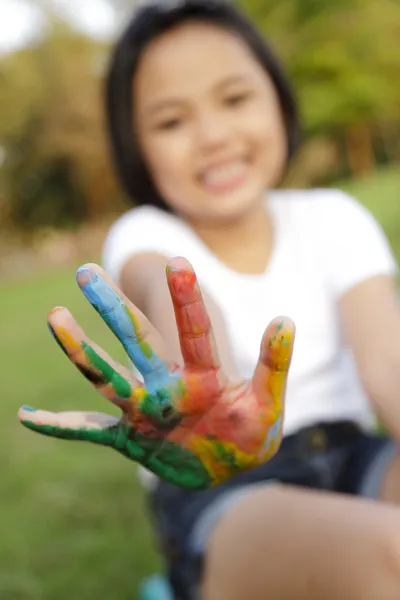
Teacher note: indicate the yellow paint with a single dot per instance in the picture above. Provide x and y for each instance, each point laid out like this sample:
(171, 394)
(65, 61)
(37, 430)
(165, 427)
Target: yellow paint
(135, 321)
(139, 393)
(277, 379)
(208, 452)
(146, 349)
(68, 341)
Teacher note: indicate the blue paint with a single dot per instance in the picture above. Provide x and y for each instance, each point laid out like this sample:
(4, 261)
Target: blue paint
(113, 311)
(273, 434)
(29, 409)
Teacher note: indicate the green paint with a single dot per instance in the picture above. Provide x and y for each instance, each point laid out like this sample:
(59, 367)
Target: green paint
(226, 456)
(176, 464)
(105, 437)
(280, 325)
(182, 389)
(164, 396)
(55, 336)
(121, 385)
(160, 407)
(169, 461)
(146, 349)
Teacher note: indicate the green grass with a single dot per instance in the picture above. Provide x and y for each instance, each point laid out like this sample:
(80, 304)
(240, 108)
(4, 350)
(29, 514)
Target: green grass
(73, 521)
(380, 193)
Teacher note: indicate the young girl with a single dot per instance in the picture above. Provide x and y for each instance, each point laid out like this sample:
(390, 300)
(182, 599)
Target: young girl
(203, 125)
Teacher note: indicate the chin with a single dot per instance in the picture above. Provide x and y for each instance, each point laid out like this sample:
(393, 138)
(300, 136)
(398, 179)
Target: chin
(222, 207)
(233, 208)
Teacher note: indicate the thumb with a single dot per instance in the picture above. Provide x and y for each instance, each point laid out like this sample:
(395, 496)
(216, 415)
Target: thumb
(271, 374)
(70, 425)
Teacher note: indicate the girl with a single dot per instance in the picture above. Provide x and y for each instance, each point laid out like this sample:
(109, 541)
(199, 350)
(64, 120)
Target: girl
(203, 125)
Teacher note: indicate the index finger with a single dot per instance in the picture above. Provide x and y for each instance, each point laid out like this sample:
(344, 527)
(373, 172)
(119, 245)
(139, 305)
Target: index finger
(140, 339)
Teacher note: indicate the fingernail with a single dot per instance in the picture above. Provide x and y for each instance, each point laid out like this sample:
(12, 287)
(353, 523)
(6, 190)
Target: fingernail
(171, 269)
(178, 263)
(84, 276)
(29, 409)
(55, 310)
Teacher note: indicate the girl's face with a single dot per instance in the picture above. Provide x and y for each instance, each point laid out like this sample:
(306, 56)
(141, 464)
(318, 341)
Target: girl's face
(209, 122)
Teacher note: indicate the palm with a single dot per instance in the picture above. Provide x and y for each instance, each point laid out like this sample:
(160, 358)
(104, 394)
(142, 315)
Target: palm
(191, 426)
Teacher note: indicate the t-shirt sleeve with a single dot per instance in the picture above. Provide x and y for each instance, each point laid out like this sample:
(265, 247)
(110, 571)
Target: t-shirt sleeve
(356, 247)
(138, 231)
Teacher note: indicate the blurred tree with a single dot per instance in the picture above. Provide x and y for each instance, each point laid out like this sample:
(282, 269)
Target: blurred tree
(54, 166)
(343, 60)
(56, 161)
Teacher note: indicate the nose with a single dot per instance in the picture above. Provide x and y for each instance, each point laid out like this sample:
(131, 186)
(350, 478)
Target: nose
(212, 130)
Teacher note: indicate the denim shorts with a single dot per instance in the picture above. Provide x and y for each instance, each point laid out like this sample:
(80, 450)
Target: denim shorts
(335, 457)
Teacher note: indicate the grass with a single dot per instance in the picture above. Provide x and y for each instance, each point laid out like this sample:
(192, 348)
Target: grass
(380, 193)
(73, 521)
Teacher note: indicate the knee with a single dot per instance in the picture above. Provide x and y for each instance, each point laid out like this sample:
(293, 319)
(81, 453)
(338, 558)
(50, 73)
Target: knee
(388, 549)
(372, 573)
(379, 576)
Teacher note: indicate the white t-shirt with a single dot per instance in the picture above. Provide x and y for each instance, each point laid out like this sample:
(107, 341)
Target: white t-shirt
(325, 242)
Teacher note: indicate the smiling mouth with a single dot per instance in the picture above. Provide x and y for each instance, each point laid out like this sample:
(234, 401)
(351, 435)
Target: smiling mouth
(226, 177)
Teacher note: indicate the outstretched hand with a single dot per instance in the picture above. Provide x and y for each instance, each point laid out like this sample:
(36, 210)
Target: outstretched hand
(188, 424)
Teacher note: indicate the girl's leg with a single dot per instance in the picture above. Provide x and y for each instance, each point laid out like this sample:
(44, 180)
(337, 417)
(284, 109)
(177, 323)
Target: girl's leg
(282, 542)
(390, 489)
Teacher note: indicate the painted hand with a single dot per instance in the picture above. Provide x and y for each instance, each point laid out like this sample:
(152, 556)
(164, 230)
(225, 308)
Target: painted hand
(190, 425)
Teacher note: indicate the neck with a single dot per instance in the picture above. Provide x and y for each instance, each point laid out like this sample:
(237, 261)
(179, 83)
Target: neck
(243, 243)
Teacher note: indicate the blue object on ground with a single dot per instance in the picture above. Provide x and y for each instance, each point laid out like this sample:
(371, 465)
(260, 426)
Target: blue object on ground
(155, 587)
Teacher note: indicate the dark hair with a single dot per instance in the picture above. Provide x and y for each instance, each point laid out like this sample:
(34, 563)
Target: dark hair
(148, 23)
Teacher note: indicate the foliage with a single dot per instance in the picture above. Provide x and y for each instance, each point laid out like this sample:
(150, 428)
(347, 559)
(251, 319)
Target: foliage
(343, 62)
(341, 56)
(55, 167)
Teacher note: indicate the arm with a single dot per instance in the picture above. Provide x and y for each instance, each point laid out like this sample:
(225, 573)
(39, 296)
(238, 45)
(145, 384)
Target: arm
(361, 272)
(370, 315)
(144, 283)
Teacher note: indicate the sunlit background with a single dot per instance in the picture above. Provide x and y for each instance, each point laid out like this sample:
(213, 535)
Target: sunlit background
(72, 519)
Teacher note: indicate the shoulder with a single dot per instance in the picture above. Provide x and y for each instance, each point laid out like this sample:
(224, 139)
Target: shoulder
(340, 231)
(323, 213)
(140, 219)
(317, 203)
(139, 231)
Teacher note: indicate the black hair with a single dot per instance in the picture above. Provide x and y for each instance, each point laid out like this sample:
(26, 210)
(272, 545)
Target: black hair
(148, 23)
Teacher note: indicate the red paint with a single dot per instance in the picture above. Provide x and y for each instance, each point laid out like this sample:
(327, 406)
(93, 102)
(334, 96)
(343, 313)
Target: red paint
(183, 283)
(217, 423)
(192, 319)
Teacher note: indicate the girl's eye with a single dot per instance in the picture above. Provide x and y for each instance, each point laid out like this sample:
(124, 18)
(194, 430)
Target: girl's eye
(237, 99)
(169, 124)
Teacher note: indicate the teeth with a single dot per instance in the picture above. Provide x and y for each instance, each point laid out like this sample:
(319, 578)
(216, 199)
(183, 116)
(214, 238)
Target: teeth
(224, 174)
